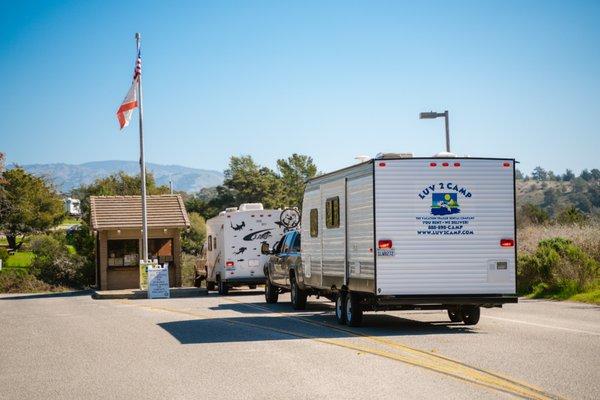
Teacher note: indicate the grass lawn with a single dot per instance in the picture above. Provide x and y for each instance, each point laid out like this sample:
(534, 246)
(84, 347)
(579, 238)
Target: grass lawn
(22, 259)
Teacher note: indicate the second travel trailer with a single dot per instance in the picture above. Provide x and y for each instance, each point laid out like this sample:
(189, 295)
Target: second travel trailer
(233, 243)
(398, 232)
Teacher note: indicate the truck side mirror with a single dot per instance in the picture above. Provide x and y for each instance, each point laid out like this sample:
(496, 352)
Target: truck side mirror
(264, 248)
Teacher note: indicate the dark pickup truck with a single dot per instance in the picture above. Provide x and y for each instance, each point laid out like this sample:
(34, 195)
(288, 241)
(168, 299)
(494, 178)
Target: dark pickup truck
(283, 271)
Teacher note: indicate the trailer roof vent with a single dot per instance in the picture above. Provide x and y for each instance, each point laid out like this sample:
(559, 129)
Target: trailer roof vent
(222, 213)
(362, 159)
(383, 156)
(251, 206)
(231, 209)
(445, 154)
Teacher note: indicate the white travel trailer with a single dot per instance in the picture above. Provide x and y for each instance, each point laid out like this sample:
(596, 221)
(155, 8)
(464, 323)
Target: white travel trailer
(233, 244)
(398, 232)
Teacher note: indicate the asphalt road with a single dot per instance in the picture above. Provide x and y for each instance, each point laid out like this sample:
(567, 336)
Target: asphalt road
(73, 347)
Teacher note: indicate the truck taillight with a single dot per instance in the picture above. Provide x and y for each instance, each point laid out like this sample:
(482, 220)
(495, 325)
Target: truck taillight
(229, 263)
(507, 242)
(385, 244)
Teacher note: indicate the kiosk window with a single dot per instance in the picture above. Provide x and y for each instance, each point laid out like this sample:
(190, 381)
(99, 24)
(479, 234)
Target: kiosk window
(332, 212)
(123, 253)
(314, 222)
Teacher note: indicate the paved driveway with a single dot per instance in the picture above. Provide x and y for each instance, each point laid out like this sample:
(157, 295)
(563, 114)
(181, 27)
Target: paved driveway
(73, 347)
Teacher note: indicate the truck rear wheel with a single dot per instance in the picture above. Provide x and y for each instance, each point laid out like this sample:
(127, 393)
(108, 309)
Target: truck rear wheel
(340, 308)
(298, 295)
(470, 314)
(354, 312)
(454, 315)
(223, 287)
(271, 292)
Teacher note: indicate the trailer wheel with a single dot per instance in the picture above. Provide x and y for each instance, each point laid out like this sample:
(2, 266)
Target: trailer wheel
(251, 286)
(271, 292)
(354, 312)
(298, 295)
(470, 314)
(454, 315)
(340, 308)
(210, 286)
(223, 287)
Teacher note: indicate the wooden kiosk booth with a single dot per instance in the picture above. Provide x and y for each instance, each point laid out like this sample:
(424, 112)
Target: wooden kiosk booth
(117, 224)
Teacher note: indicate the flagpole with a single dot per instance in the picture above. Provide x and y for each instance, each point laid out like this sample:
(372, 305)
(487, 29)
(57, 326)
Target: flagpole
(142, 162)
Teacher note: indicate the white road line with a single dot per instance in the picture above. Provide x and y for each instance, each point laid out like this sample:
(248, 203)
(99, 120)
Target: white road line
(543, 326)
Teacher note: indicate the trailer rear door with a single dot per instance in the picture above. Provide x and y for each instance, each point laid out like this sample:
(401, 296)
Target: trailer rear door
(445, 226)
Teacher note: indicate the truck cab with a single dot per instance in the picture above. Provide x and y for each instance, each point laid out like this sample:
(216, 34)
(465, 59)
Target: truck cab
(282, 270)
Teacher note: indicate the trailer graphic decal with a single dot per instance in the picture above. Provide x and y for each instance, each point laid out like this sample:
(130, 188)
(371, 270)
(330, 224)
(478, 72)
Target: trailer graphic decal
(241, 250)
(262, 234)
(444, 203)
(442, 218)
(238, 227)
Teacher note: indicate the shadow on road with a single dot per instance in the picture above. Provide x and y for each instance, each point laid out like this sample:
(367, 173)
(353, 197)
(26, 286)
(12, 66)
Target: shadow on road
(315, 326)
(46, 295)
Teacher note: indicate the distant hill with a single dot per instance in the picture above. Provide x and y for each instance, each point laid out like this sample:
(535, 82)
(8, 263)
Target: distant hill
(68, 176)
(552, 196)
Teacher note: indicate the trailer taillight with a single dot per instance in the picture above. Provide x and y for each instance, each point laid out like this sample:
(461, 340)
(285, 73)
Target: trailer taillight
(457, 164)
(229, 263)
(507, 242)
(445, 164)
(385, 244)
(382, 164)
(506, 164)
(432, 164)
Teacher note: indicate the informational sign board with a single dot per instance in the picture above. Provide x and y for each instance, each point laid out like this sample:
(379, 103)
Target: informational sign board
(144, 275)
(158, 281)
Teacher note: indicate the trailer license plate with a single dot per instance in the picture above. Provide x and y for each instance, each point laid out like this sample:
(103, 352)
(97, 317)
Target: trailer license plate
(386, 252)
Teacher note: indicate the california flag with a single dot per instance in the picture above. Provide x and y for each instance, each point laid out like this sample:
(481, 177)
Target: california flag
(130, 103)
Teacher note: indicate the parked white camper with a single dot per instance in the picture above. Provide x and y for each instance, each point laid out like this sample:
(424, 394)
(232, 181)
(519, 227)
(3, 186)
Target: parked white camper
(404, 233)
(233, 245)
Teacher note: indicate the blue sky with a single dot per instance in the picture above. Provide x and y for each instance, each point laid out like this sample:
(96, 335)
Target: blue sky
(330, 79)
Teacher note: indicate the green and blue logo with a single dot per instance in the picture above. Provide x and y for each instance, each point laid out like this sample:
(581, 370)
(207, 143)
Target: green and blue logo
(444, 203)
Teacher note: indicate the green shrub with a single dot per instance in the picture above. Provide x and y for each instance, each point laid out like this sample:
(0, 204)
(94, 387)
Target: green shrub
(18, 280)
(571, 215)
(3, 255)
(557, 267)
(55, 265)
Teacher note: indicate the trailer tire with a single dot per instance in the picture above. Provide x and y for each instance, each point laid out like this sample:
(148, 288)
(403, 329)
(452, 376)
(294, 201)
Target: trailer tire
(210, 286)
(271, 292)
(223, 287)
(298, 295)
(454, 315)
(470, 314)
(354, 312)
(340, 308)
(251, 286)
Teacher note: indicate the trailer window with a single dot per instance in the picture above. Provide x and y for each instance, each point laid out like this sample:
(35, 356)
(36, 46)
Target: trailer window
(332, 212)
(209, 242)
(215, 242)
(314, 222)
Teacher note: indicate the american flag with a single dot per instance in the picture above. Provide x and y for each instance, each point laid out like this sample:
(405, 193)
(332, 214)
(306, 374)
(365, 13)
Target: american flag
(130, 102)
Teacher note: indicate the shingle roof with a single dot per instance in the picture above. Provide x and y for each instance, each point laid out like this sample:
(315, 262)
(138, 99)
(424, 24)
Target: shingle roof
(118, 212)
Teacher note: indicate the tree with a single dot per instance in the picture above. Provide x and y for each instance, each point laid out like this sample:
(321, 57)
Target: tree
(586, 175)
(295, 171)
(30, 205)
(568, 175)
(539, 174)
(595, 174)
(533, 214)
(193, 238)
(253, 184)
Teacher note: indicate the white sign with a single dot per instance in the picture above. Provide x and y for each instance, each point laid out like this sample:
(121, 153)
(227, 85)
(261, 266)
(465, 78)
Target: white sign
(158, 282)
